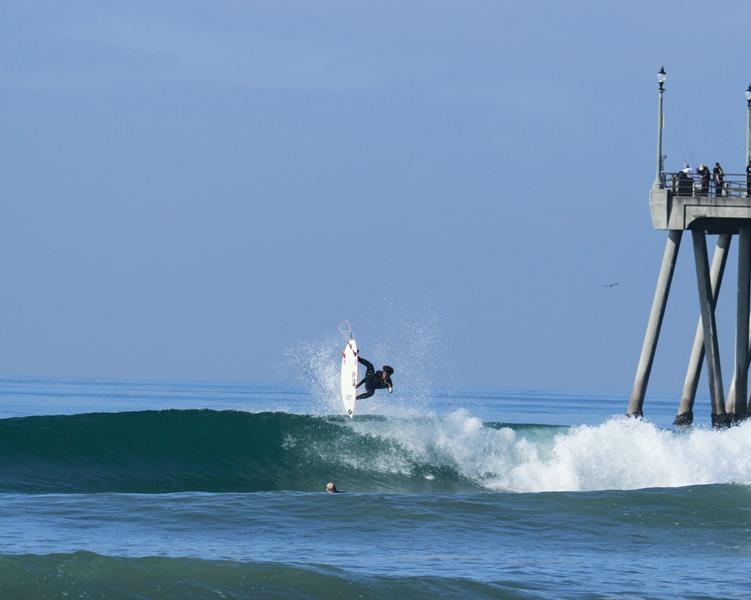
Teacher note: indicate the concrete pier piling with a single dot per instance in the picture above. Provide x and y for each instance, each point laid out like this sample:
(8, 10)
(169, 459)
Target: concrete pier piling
(709, 325)
(677, 204)
(659, 302)
(685, 414)
(737, 407)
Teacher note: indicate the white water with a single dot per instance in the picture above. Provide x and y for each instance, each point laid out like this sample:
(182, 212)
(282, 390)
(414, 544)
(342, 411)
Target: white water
(619, 454)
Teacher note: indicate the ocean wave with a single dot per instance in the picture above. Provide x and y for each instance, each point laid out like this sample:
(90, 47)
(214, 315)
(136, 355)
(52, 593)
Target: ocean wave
(232, 451)
(203, 450)
(89, 575)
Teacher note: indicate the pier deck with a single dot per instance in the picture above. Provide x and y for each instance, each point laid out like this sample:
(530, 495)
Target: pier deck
(714, 214)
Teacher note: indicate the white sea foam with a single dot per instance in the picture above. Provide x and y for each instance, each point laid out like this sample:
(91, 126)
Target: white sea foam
(618, 454)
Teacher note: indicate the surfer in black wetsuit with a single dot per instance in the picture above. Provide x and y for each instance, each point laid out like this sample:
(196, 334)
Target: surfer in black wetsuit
(374, 380)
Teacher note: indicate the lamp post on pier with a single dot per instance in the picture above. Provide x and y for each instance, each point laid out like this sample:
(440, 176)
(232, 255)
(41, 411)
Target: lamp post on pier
(748, 124)
(661, 78)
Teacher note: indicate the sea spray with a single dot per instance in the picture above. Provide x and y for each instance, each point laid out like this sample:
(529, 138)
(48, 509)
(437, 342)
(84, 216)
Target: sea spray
(408, 340)
(316, 366)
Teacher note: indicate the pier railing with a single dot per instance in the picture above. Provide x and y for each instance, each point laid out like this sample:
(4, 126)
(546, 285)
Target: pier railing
(735, 185)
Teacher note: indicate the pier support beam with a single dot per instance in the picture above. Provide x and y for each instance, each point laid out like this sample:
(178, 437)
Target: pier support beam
(652, 335)
(711, 345)
(736, 404)
(685, 414)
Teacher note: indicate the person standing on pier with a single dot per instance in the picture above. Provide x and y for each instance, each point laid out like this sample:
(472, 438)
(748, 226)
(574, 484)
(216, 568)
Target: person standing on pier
(703, 172)
(748, 178)
(685, 182)
(719, 180)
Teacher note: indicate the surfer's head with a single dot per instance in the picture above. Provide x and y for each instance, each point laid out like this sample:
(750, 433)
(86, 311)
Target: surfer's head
(388, 370)
(331, 488)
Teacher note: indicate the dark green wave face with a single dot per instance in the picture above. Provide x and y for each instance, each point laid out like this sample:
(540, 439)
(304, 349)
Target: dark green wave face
(203, 450)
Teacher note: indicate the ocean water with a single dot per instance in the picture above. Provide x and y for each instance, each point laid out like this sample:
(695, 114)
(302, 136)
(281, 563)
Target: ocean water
(193, 490)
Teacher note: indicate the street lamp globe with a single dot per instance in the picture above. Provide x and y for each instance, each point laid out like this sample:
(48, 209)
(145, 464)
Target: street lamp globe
(662, 77)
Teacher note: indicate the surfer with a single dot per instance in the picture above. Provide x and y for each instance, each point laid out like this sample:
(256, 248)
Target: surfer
(374, 380)
(331, 488)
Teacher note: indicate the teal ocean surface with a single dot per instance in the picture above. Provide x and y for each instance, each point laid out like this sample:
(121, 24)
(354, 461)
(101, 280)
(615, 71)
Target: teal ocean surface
(194, 490)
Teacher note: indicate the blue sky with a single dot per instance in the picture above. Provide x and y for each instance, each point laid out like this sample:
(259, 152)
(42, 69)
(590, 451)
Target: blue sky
(192, 189)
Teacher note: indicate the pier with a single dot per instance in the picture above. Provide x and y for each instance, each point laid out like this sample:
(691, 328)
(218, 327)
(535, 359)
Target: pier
(681, 202)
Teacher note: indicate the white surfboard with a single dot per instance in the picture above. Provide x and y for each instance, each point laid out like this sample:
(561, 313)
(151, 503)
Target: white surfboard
(349, 376)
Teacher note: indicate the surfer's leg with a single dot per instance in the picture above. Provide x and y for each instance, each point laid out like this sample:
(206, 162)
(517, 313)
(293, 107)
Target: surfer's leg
(366, 394)
(369, 368)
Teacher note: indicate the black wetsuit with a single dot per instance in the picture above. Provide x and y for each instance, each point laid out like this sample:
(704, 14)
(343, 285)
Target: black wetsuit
(373, 380)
